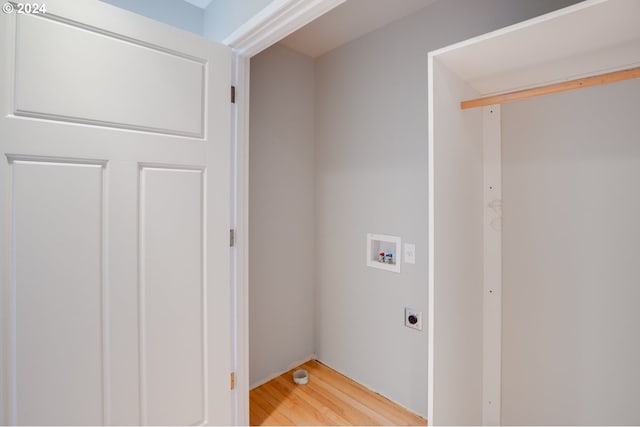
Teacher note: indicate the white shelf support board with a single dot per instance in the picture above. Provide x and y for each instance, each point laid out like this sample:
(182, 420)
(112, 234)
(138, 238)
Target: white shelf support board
(492, 315)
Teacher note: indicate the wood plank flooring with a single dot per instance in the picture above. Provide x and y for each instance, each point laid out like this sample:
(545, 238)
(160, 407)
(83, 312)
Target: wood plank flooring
(328, 399)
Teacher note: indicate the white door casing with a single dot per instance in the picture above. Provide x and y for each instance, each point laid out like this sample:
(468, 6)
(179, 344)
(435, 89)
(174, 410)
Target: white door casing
(274, 22)
(114, 220)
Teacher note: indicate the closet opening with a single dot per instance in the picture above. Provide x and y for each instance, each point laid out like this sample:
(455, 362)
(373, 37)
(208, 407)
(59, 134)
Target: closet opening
(532, 221)
(337, 152)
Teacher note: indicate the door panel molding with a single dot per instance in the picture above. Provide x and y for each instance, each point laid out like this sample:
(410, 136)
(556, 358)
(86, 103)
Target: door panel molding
(85, 73)
(32, 269)
(171, 205)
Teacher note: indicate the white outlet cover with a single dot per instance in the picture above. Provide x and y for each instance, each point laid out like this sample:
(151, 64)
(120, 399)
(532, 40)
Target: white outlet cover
(409, 255)
(410, 311)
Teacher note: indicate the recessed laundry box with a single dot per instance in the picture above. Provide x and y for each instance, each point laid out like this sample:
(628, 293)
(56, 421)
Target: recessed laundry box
(534, 240)
(383, 252)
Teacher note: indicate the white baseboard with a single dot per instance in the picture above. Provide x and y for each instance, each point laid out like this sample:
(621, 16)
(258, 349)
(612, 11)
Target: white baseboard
(277, 374)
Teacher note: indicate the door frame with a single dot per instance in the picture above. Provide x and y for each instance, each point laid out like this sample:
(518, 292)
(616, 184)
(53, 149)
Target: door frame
(276, 21)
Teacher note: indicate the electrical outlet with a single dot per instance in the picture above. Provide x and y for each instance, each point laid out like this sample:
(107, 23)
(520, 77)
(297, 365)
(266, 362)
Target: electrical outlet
(412, 318)
(409, 253)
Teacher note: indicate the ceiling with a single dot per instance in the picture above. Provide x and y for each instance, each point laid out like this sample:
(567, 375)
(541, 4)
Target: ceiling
(200, 3)
(347, 22)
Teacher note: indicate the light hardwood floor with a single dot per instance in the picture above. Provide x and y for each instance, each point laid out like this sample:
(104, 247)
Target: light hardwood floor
(328, 399)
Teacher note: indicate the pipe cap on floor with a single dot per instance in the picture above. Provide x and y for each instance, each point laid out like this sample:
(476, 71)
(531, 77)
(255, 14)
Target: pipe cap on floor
(300, 376)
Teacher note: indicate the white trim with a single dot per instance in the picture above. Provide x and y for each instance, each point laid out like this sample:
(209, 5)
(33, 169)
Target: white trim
(233, 252)
(520, 25)
(240, 222)
(276, 21)
(492, 300)
(430, 242)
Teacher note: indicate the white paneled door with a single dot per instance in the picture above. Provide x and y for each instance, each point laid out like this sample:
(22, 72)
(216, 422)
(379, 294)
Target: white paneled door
(114, 220)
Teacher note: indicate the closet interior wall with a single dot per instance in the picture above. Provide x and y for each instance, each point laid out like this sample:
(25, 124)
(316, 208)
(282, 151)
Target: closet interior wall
(282, 256)
(571, 257)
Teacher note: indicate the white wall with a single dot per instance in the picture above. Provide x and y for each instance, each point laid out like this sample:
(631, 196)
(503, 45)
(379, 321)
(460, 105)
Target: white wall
(371, 163)
(177, 13)
(571, 206)
(459, 246)
(223, 17)
(282, 213)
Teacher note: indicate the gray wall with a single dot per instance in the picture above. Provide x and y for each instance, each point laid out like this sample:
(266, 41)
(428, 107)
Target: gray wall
(371, 159)
(177, 13)
(282, 214)
(571, 236)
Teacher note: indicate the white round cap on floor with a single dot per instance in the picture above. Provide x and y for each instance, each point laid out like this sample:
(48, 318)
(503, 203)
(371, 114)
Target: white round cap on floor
(300, 376)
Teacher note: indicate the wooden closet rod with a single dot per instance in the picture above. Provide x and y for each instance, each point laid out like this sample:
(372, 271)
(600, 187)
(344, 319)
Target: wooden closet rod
(600, 79)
